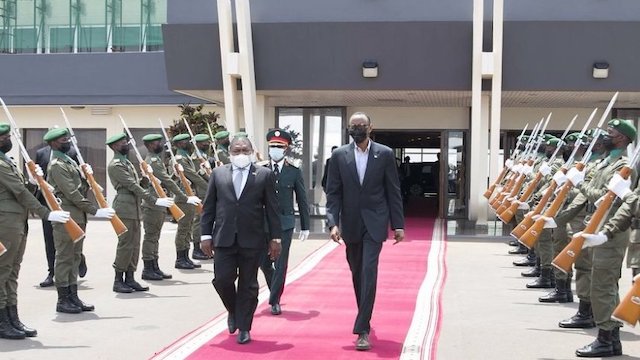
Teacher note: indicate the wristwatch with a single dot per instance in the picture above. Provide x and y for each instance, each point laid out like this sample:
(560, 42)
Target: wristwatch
(277, 241)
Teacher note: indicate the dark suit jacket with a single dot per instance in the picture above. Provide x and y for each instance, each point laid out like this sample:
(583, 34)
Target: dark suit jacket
(374, 204)
(224, 216)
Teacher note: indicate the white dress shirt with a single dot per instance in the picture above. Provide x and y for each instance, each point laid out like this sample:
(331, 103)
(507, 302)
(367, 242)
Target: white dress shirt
(361, 160)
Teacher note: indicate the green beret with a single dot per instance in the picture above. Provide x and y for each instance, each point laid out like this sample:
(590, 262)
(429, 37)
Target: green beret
(279, 136)
(4, 128)
(241, 134)
(524, 138)
(548, 137)
(221, 134)
(201, 137)
(115, 138)
(54, 134)
(553, 142)
(571, 137)
(625, 127)
(152, 137)
(180, 137)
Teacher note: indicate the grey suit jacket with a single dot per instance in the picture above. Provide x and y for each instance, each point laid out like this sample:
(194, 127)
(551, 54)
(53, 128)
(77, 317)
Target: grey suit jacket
(375, 204)
(224, 215)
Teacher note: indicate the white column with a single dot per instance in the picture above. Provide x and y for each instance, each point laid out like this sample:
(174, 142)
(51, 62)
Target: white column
(483, 172)
(496, 88)
(230, 67)
(245, 48)
(478, 155)
(259, 140)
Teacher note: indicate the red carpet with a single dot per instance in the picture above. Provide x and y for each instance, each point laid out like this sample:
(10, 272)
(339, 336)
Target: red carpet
(319, 309)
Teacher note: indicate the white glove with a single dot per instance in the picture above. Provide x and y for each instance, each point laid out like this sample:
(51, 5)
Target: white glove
(149, 169)
(549, 223)
(575, 176)
(88, 169)
(59, 216)
(39, 172)
(517, 168)
(591, 240)
(620, 186)
(304, 235)
(194, 200)
(545, 169)
(559, 177)
(508, 163)
(523, 205)
(165, 202)
(105, 213)
(527, 169)
(179, 167)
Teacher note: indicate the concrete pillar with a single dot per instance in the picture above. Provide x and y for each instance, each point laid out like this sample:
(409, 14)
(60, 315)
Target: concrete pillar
(478, 155)
(230, 66)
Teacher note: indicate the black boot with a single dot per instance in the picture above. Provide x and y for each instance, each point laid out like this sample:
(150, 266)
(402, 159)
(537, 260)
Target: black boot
(12, 312)
(198, 254)
(73, 296)
(529, 260)
(82, 268)
(182, 261)
(601, 347)
(119, 286)
(48, 281)
(615, 343)
(186, 257)
(8, 331)
(132, 283)
(545, 281)
(64, 304)
(157, 270)
(514, 243)
(583, 319)
(149, 273)
(534, 271)
(520, 250)
(560, 295)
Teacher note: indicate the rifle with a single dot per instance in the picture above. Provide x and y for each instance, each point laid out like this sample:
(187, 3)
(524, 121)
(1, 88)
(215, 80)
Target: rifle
(3, 249)
(73, 229)
(215, 153)
(530, 237)
(183, 179)
(510, 212)
(174, 209)
(528, 220)
(569, 254)
(207, 166)
(628, 310)
(116, 223)
(492, 187)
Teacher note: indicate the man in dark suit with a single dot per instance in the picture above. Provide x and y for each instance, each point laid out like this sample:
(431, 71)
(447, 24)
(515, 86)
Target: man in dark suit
(43, 155)
(326, 170)
(240, 203)
(363, 197)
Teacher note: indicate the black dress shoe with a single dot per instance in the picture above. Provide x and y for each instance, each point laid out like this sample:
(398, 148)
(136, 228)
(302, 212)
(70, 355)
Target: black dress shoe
(82, 268)
(525, 261)
(363, 344)
(521, 250)
(275, 309)
(243, 337)
(48, 282)
(231, 323)
(514, 243)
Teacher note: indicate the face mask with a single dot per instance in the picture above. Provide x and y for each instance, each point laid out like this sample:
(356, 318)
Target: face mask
(607, 142)
(276, 153)
(6, 146)
(158, 149)
(241, 161)
(124, 150)
(65, 147)
(359, 134)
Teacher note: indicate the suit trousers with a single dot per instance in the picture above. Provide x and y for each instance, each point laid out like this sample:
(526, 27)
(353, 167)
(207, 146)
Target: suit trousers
(275, 272)
(184, 231)
(152, 221)
(68, 256)
(363, 262)
(128, 250)
(49, 246)
(234, 262)
(15, 242)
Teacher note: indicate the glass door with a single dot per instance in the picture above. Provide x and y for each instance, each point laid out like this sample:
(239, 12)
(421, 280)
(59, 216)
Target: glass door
(453, 175)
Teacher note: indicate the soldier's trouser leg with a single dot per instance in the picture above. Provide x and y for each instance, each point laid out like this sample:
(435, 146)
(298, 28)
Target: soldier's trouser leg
(15, 241)
(633, 252)
(183, 233)
(583, 274)
(559, 239)
(68, 256)
(153, 221)
(605, 273)
(128, 250)
(280, 273)
(49, 246)
(195, 230)
(544, 249)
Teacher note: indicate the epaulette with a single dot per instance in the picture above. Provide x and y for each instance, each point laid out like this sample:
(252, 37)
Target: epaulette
(178, 157)
(286, 162)
(154, 159)
(54, 161)
(263, 163)
(116, 160)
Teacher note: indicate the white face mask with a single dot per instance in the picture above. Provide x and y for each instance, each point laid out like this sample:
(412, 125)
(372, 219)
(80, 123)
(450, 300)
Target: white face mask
(276, 154)
(241, 161)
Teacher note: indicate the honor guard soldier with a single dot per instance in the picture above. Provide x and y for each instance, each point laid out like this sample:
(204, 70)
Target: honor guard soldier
(222, 146)
(15, 203)
(203, 144)
(184, 233)
(288, 181)
(129, 195)
(71, 188)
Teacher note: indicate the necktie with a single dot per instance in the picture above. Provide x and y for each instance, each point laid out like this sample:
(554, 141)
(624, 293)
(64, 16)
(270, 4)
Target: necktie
(237, 182)
(276, 169)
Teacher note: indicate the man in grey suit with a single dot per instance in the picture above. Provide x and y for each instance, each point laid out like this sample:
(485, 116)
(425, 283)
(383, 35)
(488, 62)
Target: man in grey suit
(240, 204)
(363, 198)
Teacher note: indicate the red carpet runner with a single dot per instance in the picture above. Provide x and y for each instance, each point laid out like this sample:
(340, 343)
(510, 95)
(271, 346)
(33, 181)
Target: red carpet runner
(319, 309)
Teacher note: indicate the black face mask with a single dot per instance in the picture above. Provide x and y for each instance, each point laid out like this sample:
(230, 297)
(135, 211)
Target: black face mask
(65, 147)
(607, 142)
(566, 152)
(124, 149)
(158, 149)
(359, 134)
(6, 145)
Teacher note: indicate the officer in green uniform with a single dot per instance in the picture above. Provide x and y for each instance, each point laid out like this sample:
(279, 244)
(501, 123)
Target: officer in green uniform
(203, 143)
(153, 215)
(288, 181)
(129, 195)
(15, 203)
(222, 146)
(188, 206)
(71, 188)
(609, 247)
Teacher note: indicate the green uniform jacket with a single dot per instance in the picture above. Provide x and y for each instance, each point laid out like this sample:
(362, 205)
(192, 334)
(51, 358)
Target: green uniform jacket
(287, 183)
(223, 155)
(64, 175)
(15, 199)
(129, 195)
(191, 173)
(160, 172)
(200, 190)
(574, 209)
(621, 220)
